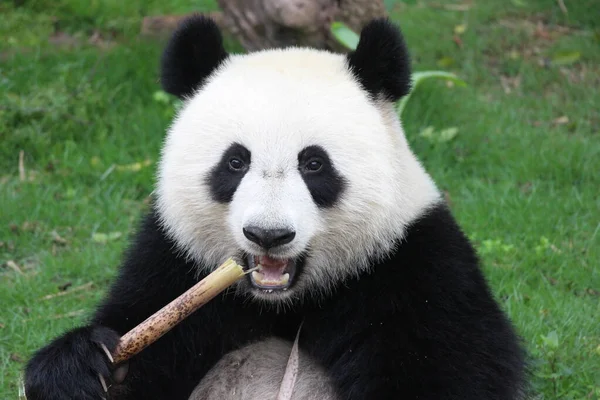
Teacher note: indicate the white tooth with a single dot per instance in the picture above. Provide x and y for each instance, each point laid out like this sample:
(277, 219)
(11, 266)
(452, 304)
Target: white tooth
(259, 266)
(257, 276)
(285, 278)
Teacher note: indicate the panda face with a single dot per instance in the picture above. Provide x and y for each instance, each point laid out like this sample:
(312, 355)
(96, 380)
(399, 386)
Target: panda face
(275, 192)
(284, 160)
(275, 203)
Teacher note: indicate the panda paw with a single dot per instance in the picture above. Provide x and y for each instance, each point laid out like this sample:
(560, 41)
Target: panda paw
(77, 365)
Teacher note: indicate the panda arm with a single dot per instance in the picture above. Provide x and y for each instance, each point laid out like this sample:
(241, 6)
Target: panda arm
(151, 276)
(422, 325)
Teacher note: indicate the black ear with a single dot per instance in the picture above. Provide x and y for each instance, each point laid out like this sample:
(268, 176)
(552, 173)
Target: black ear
(194, 51)
(381, 62)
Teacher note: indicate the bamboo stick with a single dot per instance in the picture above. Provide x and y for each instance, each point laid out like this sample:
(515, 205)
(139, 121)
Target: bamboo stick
(176, 311)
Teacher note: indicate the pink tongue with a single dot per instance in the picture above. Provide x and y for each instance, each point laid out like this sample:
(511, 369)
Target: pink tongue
(272, 268)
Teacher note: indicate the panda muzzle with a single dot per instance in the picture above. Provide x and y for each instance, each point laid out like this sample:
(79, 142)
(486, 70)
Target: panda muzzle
(271, 273)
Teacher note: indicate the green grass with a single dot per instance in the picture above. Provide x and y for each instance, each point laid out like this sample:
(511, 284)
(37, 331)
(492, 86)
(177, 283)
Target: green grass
(522, 180)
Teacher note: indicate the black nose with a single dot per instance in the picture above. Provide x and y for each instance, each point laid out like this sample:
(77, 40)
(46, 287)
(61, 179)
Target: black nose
(269, 238)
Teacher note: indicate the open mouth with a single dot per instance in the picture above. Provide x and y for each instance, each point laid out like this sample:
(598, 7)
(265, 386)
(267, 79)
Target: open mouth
(272, 273)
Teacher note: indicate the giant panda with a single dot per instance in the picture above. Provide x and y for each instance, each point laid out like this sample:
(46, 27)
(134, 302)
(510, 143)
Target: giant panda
(294, 161)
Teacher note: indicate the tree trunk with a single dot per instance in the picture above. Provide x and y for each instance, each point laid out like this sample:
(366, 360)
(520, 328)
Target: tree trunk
(261, 24)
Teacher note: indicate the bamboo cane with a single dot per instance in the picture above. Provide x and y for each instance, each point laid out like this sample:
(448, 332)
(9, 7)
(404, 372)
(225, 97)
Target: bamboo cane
(176, 311)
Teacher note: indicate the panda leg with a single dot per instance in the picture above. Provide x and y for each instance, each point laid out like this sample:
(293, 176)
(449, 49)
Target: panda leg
(255, 372)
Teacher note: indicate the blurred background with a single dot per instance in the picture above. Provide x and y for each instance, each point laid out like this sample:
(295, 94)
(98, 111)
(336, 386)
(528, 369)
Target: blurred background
(516, 148)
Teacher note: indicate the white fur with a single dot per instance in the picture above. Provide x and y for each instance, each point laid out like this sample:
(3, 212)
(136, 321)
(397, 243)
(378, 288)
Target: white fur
(256, 370)
(275, 103)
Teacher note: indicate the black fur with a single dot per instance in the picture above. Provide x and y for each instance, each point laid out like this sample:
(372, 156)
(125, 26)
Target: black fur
(193, 53)
(381, 61)
(325, 185)
(60, 366)
(423, 325)
(222, 179)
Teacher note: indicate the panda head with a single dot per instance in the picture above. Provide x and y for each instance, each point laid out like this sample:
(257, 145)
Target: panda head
(293, 160)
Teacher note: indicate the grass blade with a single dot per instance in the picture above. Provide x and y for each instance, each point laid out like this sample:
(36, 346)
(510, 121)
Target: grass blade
(418, 77)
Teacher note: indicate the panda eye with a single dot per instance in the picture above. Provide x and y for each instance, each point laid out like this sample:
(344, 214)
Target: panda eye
(313, 165)
(236, 164)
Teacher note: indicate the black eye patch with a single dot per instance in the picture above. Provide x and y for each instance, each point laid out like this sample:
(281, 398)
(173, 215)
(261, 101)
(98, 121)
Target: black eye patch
(225, 177)
(324, 182)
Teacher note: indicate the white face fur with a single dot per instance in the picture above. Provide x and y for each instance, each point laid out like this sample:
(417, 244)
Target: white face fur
(276, 103)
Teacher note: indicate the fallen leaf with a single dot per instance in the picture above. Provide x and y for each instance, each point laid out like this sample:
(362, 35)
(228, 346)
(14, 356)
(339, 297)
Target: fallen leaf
(460, 29)
(2, 326)
(445, 135)
(542, 32)
(566, 58)
(95, 161)
(457, 40)
(448, 134)
(100, 237)
(427, 133)
(103, 238)
(114, 235)
(30, 226)
(551, 340)
(592, 292)
(14, 266)
(510, 83)
(161, 97)
(16, 358)
(561, 120)
(57, 239)
(98, 40)
(445, 62)
(135, 167)
(526, 187)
